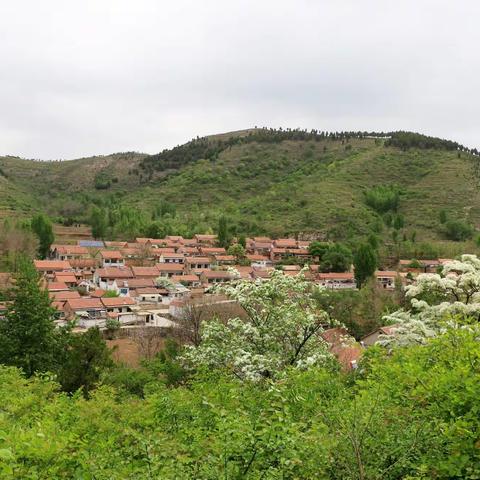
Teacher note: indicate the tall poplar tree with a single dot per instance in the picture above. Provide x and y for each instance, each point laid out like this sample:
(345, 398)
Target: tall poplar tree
(223, 236)
(365, 263)
(42, 227)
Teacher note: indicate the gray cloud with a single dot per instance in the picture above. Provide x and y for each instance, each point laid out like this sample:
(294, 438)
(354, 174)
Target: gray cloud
(100, 76)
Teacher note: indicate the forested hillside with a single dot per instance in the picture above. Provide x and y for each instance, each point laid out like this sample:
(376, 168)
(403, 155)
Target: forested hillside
(265, 181)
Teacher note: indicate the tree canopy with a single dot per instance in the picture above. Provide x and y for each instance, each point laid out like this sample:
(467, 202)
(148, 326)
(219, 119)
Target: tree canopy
(42, 227)
(365, 263)
(282, 330)
(28, 338)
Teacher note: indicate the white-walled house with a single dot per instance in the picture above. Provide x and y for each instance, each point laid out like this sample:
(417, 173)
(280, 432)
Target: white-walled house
(112, 258)
(172, 258)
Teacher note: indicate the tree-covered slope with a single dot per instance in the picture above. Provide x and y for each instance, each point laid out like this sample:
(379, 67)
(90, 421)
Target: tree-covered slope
(319, 186)
(267, 181)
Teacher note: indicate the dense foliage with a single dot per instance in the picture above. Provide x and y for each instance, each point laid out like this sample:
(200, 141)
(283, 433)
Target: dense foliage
(406, 140)
(458, 230)
(413, 415)
(30, 340)
(256, 399)
(360, 311)
(383, 198)
(337, 258)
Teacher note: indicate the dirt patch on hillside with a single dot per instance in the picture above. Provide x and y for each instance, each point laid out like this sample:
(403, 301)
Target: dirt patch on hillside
(127, 351)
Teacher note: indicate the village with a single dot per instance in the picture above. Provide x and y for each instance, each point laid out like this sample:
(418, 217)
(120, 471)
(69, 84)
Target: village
(152, 282)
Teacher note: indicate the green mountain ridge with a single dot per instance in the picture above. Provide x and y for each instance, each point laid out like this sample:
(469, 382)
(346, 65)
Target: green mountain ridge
(265, 181)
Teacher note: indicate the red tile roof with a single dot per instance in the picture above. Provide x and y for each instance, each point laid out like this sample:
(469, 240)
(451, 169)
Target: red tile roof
(114, 272)
(46, 265)
(71, 250)
(170, 267)
(209, 274)
(172, 255)
(298, 251)
(185, 278)
(137, 282)
(58, 305)
(205, 237)
(343, 346)
(162, 251)
(111, 254)
(85, 303)
(57, 286)
(190, 242)
(151, 291)
(145, 272)
(189, 250)
(116, 244)
(111, 302)
(65, 277)
(285, 243)
(257, 258)
(197, 260)
(99, 292)
(386, 273)
(264, 273)
(65, 295)
(212, 250)
(336, 276)
(130, 252)
(83, 262)
(225, 258)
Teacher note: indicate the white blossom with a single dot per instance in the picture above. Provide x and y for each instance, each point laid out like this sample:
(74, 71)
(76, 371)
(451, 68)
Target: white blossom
(282, 330)
(438, 301)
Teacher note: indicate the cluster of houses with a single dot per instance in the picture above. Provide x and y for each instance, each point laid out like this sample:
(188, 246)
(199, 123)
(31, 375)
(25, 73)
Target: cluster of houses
(151, 281)
(147, 280)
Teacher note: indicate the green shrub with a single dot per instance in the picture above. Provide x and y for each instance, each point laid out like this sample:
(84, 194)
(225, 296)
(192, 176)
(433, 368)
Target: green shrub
(458, 230)
(383, 198)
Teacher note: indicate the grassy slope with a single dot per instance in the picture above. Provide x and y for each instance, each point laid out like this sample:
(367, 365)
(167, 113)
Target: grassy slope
(52, 186)
(288, 187)
(298, 186)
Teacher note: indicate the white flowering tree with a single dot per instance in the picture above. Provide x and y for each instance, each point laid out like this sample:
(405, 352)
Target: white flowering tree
(450, 298)
(282, 329)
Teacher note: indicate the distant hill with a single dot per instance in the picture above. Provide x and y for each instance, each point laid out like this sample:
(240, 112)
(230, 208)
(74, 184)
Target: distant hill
(265, 181)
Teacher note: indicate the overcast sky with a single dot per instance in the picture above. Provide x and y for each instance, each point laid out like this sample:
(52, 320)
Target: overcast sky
(95, 77)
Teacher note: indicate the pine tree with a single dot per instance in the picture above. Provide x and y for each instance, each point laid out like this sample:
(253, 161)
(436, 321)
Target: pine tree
(87, 357)
(28, 339)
